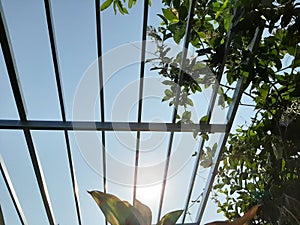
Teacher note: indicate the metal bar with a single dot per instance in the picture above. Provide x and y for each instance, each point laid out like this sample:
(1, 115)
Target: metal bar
(230, 118)
(101, 86)
(183, 59)
(61, 102)
(12, 192)
(10, 65)
(54, 53)
(109, 126)
(209, 115)
(13, 77)
(141, 91)
(40, 177)
(213, 170)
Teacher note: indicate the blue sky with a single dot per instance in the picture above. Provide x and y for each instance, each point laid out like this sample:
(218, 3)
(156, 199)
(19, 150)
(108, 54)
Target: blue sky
(76, 41)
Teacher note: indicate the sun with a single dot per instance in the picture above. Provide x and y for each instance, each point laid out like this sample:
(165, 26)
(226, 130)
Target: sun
(149, 194)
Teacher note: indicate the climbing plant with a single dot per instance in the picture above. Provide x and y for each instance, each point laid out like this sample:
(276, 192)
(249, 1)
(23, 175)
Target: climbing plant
(258, 41)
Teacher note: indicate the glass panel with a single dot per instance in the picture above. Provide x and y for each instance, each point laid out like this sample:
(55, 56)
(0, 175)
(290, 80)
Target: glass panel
(74, 24)
(52, 152)
(9, 212)
(30, 43)
(16, 157)
(8, 107)
(88, 177)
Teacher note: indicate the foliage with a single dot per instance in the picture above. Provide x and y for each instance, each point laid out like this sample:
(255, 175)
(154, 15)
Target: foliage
(248, 216)
(262, 165)
(261, 162)
(119, 5)
(119, 212)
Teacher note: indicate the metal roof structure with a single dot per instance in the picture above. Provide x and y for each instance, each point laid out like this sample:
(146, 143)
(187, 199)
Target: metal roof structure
(103, 126)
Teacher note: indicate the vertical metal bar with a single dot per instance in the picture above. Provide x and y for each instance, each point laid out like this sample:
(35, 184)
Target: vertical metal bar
(141, 91)
(230, 118)
(61, 102)
(209, 115)
(12, 72)
(183, 59)
(101, 86)
(12, 192)
(40, 177)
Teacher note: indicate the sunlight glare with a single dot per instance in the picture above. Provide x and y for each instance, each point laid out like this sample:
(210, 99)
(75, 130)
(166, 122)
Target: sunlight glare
(149, 194)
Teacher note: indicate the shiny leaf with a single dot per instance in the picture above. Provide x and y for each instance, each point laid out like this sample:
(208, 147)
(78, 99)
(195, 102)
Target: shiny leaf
(115, 211)
(106, 4)
(170, 218)
(145, 212)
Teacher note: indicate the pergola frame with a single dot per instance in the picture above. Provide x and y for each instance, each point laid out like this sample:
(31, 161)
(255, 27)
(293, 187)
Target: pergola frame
(28, 125)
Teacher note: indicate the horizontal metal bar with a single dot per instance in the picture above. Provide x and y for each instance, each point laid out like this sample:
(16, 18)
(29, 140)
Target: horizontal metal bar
(109, 126)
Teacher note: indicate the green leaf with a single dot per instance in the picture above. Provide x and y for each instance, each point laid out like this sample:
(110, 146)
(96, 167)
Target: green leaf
(165, 98)
(214, 148)
(165, 21)
(115, 7)
(179, 34)
(278, 151)
(168, 82)
(221, 100)
(204, 119)
(206, 163)
(211, 151)
(106, 4)
(205, 136)
(176, 4)
(170, 218)
(186, 115)
(183, 12)
(170, 15)
(221, 11)
(144, 211)
(227, 22)
(115, 211)
(121, 7)
(189, 102)
(131, 3)
(169, 93)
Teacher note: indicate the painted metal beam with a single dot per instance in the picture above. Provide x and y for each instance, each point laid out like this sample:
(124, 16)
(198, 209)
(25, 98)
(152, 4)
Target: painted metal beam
(101, 89)
(54, 53)
(109, 126)
(141, 92)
